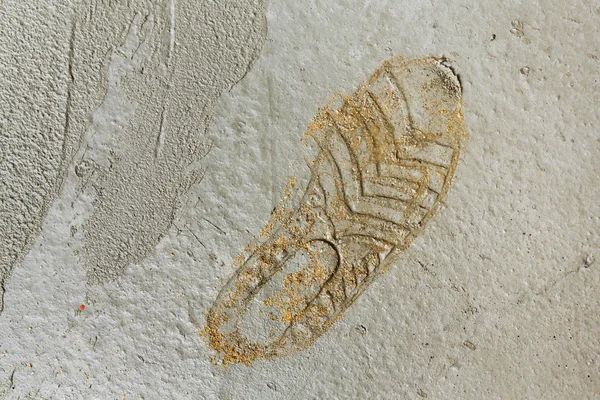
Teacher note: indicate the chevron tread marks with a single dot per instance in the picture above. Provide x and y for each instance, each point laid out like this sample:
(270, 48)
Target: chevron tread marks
(385, 162)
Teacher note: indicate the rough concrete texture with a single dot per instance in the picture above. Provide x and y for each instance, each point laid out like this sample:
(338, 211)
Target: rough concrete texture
(498, 299)
(161, 66)
(34, 56)
(114, 80)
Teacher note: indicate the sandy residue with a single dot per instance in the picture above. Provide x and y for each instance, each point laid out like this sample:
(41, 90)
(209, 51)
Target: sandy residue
(372, 191)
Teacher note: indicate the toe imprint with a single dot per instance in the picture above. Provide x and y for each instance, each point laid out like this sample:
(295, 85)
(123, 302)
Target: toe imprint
(386, 158)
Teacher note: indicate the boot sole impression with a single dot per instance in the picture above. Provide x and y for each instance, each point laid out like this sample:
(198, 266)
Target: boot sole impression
(386, 156)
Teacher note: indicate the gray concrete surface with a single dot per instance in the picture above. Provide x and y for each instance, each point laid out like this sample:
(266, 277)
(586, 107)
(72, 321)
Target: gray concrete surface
(499, 299)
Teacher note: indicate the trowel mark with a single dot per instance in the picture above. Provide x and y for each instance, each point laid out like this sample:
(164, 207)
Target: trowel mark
(171, 30)
(160, 140)
(142, 149)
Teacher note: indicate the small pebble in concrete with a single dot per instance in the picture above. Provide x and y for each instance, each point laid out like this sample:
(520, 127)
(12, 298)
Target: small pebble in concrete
(470, 345)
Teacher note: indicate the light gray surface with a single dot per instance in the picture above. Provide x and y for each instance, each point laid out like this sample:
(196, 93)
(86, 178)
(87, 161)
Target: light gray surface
(499, 299)
(34, 54)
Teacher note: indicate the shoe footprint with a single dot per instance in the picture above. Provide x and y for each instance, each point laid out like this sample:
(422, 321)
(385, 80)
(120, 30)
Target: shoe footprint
(384, 163)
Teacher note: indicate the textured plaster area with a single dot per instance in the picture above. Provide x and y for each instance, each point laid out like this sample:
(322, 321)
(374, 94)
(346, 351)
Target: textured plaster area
(498, 299)
(98, 105)
(34, 80)
(158, 66)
